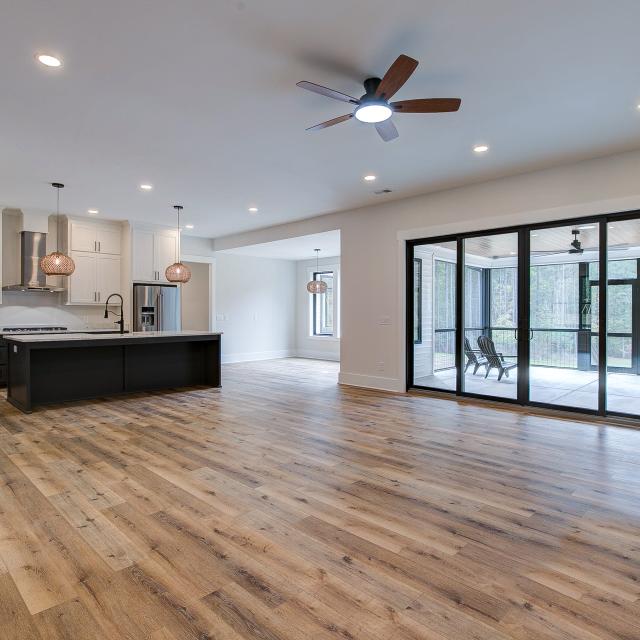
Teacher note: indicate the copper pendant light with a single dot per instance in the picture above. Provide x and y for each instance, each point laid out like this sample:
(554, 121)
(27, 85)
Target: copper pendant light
(178, 272)
(317, 286)
(57, 263)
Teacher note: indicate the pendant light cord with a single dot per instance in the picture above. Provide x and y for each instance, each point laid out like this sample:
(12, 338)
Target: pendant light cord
(178, 208)
(57, 219)
(58, 186)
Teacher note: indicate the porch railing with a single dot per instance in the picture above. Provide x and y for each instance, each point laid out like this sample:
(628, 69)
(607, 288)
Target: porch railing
(549, 347)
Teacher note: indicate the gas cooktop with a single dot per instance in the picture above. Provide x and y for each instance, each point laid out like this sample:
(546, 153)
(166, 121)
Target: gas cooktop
(46, 329)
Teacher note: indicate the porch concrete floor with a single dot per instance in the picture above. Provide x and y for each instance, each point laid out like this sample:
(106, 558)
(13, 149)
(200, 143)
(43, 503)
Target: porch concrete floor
(564, 387)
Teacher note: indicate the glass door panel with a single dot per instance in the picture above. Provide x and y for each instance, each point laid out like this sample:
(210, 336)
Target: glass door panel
(490, 321)
(623, 323)
(434, 316)
(563, 334)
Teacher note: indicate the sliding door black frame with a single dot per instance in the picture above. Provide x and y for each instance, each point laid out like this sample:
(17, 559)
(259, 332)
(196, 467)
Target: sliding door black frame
(524, 328)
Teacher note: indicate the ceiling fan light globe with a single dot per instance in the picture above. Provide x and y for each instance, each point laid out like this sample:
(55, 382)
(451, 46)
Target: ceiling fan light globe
(373, 113)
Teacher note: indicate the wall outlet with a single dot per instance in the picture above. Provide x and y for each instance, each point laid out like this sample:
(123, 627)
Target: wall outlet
(380, 366)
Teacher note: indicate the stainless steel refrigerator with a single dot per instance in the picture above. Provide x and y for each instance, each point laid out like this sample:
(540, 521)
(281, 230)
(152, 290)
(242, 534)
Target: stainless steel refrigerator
(156, 307)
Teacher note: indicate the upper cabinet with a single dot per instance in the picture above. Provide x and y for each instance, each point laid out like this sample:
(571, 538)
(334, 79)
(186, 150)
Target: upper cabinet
(95, 248)
(95, 237)
(153, 251)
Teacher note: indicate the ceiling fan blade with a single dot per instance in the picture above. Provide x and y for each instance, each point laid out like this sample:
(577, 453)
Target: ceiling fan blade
(325, 91)
(330, 123)
(397, 74)
(548, 253)
(387, 130)
(427, 105)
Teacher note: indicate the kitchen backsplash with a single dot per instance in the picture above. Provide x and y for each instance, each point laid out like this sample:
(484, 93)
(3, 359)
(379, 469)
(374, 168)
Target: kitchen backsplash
(31, 309)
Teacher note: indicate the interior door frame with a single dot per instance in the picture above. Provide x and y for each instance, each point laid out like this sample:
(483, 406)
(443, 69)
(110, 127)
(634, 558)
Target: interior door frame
(524, 322)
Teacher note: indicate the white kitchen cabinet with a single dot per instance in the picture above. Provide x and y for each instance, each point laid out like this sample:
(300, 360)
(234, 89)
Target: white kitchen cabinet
(166, 253)
(107, 276)
(83, 236)
(153, 252)
(95, 237)
(95, 277)
(108, 239)
(144, 266)
(82, 283)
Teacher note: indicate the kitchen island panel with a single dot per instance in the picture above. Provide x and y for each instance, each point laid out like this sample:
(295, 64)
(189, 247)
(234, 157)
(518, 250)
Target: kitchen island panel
(51, 369)
(82, 373)
(173, 364)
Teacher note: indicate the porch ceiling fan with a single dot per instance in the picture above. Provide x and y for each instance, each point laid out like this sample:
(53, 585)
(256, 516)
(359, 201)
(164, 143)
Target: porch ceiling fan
(575, 247)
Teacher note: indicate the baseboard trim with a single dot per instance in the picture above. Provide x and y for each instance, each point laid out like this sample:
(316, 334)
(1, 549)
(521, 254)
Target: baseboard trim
(231, 358)
(317, 355)
(371, 382)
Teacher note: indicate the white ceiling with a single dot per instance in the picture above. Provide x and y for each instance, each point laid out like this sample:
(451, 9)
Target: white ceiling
(300, 248)
(199, 99)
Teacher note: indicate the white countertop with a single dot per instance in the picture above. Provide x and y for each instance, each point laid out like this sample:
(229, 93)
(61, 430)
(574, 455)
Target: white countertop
(68, 337)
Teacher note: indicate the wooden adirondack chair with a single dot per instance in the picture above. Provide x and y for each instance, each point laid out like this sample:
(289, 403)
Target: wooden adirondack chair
(473, 358)
(494, 359)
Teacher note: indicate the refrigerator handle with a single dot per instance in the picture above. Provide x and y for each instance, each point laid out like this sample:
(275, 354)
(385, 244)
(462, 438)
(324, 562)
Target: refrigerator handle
(159, 311)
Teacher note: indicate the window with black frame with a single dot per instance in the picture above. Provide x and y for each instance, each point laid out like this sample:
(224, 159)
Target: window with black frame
(323, 306)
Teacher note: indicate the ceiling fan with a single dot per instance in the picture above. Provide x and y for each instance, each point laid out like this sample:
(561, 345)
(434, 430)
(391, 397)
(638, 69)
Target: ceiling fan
(576, 247)
(374, 106)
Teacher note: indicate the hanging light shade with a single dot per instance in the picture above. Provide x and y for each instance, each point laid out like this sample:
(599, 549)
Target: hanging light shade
(316, 286)
(57, 263)
(178, 272)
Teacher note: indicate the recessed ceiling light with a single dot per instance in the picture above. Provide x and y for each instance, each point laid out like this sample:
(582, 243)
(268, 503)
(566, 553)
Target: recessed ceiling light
(146, 187)
(534, 235)
(588, 226)
(92, 211)
(513, 253)
(369, 178)
(253, 209)
(188, 226)
(48, 60)
(481, 148)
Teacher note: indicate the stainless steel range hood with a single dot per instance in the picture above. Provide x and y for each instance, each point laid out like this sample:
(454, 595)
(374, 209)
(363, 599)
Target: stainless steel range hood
(33, 246)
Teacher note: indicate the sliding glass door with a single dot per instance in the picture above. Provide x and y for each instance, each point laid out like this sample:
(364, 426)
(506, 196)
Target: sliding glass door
(490, 342)
(623, 317)
(434, 311)
(540, 314)
(563, 316)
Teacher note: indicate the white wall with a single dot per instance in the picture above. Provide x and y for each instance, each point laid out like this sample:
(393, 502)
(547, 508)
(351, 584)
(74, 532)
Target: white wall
(254, 305)
(373, 250)
(308, 346)
(195, 246)
(196, 299)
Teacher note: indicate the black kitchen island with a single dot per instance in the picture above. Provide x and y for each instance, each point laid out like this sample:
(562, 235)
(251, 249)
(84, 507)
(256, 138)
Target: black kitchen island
(46, 369)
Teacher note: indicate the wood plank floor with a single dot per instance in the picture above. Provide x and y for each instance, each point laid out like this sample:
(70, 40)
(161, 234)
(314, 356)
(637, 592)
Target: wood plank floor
(284, 506)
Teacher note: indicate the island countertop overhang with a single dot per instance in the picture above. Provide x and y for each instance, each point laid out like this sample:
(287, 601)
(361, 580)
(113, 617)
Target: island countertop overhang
(35, 341)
